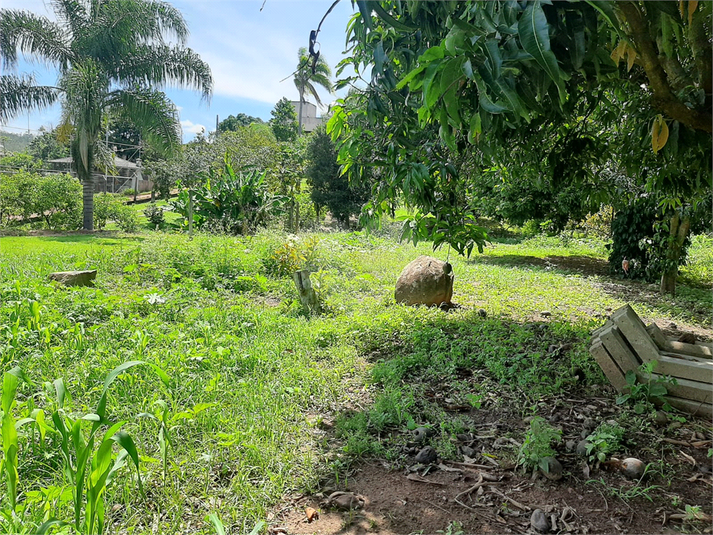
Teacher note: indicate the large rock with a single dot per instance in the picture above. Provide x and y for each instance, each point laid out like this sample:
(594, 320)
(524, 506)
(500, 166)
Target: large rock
(425, 281)
(75, 278)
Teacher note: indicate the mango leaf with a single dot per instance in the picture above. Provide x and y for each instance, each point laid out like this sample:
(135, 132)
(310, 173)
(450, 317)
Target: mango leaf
(386, 17)
(606, 9)
(692, 5)
(659, 134)
(535, 39)
(630, 58)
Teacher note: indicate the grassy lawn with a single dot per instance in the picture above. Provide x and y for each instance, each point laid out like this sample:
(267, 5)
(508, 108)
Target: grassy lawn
(252, 379)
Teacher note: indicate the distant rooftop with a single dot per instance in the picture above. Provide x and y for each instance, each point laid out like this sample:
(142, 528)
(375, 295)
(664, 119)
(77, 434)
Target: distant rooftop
(118, 162)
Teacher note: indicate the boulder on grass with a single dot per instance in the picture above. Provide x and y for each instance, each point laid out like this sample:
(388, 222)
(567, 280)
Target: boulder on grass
(75, 278)
(425, 281)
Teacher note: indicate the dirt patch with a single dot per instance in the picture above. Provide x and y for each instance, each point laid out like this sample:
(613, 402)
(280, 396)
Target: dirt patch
(395, 504)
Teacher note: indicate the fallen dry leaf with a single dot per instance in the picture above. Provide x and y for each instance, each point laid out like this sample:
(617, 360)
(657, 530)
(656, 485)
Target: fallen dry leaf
(312, 514)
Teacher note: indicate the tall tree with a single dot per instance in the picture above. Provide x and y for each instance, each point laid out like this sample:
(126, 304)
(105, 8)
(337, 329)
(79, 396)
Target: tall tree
(309, 74)
(284, 121)
(492, 76)
(110, 54)
(234, 122)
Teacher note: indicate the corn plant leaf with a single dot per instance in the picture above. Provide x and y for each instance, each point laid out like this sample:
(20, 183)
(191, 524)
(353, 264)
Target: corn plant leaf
(217, 524)
(45, 526)
(123, 439)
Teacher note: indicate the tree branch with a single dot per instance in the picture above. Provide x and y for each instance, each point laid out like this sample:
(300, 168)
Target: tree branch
(662, 97)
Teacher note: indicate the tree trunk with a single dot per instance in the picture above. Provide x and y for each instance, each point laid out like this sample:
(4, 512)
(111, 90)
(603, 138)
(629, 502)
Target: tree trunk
(308, 297)
(88, 201)
(678, 233)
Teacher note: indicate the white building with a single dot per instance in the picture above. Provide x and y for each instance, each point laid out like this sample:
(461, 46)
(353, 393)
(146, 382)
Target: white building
(310, 121)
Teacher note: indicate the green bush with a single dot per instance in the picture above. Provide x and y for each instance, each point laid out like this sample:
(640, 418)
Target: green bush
(56, 199)
(112, 208)
(126, 218)
(106, 206)
(154, 214)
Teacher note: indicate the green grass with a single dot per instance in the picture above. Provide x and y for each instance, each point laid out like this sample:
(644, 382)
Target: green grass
(249, 371)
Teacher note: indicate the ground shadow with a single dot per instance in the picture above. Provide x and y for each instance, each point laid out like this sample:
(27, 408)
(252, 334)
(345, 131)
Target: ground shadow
(105, 238)
(586, 265)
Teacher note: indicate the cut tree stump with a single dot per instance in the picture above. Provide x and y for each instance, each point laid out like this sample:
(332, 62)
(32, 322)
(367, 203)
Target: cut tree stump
(308, 297)
(624, 343)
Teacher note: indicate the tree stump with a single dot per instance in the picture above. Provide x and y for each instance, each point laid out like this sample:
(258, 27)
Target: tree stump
(308, 297)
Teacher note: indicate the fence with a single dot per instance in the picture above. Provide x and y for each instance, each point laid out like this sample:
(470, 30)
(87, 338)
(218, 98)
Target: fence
(102, 184)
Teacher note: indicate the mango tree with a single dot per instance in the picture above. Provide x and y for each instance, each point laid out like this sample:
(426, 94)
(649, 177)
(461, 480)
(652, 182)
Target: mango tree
(473, 72)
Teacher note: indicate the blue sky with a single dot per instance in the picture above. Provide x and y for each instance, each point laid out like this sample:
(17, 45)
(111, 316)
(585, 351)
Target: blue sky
(249, 52)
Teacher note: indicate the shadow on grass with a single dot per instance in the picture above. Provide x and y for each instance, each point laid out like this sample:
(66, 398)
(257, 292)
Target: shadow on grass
(103, 238)
(586, 265)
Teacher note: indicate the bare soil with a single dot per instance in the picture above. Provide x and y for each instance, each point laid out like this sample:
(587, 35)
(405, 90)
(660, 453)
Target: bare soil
(588, 499)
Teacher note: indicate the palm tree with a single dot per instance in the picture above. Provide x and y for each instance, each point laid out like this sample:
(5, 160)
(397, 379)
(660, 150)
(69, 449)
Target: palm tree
(305, 78)
(111, 55)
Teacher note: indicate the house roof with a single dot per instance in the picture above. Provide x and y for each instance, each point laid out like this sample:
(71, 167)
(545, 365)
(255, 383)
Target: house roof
(118, 162)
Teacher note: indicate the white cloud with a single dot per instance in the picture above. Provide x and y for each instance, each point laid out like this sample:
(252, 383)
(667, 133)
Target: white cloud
(191, 128)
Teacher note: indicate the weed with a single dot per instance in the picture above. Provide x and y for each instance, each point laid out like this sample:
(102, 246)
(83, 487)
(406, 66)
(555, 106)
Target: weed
(605, 439)
(537, 444)
(643, 395)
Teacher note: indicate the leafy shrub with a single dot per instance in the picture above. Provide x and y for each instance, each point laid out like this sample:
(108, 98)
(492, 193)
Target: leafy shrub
(292, 256)
(55, 198)
(537, 444)
(154, 214)
(128, 192)
(106, 206)
(642, 395)
(22, 160)
(230, 202)
(126, 218)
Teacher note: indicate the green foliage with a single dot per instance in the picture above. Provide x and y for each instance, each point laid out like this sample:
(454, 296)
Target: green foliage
(229, 202)
(55, 199)
(536, 447)
(106, 207)
(606, 438)
(126, 218)
(88, 470)
(284, 121)
(330, 188)
(233, 123)
(644, 395)
(155, 215)
(47, 146)
(23, 161)
(498, 108)
(291, 256)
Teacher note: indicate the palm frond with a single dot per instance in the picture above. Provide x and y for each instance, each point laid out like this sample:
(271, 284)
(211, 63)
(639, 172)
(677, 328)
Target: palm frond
(71, 14)
(152, 112)
(147, 20)
(164, 65)
(18, 94)
(33, 36)
(310, 89)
